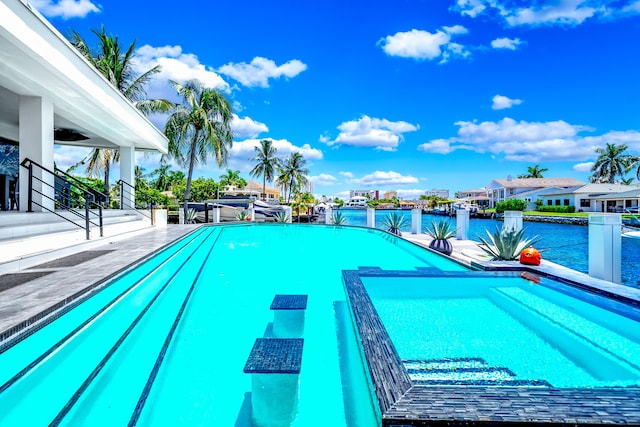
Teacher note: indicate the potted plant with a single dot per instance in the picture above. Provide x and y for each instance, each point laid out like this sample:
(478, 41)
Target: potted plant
(282, 216)
(441, 231)
(393, 222)
(506, 244)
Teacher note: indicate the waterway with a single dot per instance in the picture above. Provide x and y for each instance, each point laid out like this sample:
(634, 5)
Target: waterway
(560, 243)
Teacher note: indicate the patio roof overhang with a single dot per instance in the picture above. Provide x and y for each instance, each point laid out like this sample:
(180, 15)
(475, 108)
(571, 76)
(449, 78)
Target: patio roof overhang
(36, 60)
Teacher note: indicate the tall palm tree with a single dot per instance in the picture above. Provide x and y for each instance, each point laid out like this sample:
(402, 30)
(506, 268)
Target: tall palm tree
(115, 62)
(292, 173)
(534, 172)
(199, 127)
(611, 162)
(267, 163)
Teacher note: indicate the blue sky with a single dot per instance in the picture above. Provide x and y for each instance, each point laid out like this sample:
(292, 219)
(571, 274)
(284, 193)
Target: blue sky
(395, 95)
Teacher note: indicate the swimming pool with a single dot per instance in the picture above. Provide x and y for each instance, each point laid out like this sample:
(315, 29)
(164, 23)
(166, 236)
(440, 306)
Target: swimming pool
(495, 347)
(165, 342)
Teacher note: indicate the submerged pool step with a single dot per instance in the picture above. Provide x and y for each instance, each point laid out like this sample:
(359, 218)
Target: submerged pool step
(463, 371)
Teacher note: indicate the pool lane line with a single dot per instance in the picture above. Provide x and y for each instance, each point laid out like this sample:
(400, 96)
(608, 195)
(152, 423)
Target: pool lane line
(165, 347)
(75, 331)
(76, 396)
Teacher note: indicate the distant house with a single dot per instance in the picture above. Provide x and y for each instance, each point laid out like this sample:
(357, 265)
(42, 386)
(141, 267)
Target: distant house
(254, 190)
(586, 198)
(621, 202)
(477, 196)
(527, 189)
(437, 192)
(389, 195)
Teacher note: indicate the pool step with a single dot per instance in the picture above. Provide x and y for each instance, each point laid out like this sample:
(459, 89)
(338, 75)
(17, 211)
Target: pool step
(464, 371)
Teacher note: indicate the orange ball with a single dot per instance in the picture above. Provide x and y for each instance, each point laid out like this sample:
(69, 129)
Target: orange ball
(530, 256)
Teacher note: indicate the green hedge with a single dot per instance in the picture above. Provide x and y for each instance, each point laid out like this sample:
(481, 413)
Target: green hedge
(511, 205)
(558, 209)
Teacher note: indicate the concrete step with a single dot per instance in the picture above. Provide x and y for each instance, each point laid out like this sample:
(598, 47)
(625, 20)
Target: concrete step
(55, 240)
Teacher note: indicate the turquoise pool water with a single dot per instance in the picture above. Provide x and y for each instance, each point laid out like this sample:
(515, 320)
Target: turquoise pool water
(507, 330)
(165, 343)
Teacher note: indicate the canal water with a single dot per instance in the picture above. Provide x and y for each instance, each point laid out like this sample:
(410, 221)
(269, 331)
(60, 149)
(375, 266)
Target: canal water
(563, 244)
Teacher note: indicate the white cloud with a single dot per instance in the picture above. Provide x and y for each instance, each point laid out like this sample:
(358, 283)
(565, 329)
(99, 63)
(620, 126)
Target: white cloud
(65, 9)
(439, 146)
(177, 66)
(381, 134)
(560, 12)
(242, 151)
(65, 156)
(506, 43)
(323, 179)
(583, 167)
(380, 178)
(247, 127)
(501, 102)
(471, 8)
(423, 45)
(531, 141)
(632, 8)
(260, 70)
(347, 174)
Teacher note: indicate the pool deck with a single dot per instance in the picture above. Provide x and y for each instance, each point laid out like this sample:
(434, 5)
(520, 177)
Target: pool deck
(29, 295)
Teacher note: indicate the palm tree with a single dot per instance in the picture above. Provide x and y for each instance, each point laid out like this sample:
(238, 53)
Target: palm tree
(534, 172)
(231, 179)
(292, 173)
(162, 177)
(267, 163)
(611, 162)
(201, 126)
(116, 64)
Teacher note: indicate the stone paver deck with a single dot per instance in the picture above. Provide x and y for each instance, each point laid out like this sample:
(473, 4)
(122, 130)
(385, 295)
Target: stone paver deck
(28, 302)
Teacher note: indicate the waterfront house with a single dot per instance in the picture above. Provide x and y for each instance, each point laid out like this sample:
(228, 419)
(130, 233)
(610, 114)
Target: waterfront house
(527, 189)
(586, 198)
(369, 194)
(620, 202)
(475, 196)
(253, 189)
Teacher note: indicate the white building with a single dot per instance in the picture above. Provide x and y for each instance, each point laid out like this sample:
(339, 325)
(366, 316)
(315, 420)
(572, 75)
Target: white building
(371, 194)
(527, 189)
(50, 94)
(589, 198)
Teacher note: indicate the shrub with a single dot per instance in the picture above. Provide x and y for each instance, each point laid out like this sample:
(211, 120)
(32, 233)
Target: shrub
(558, 209)
(394, 222)
(338, 218)
(511, 205)
(441, 230)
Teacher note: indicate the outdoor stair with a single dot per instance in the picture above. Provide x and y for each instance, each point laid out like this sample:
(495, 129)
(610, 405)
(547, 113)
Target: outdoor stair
(28, 239)
(464, 371)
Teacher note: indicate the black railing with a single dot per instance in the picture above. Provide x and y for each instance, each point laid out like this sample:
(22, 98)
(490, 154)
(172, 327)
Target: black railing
(128, 193)
(68, 196)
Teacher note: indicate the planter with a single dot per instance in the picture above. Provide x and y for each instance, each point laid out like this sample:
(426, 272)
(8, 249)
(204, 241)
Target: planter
(442, 246)
(395, 231)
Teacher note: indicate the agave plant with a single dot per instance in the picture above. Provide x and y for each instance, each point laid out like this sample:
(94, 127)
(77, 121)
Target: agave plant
(282, 216)
(393, 222)
(242, 216)
(338, 218)
(441, 231)
(191, 216)
(506, 244)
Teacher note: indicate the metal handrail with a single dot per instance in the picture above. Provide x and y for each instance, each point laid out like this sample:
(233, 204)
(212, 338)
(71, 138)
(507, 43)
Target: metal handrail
(131, 191)
(81, 185)
(89, 199)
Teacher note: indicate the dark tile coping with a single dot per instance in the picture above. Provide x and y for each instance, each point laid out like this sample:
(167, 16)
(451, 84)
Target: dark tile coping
(275, 356)
(402, 403)
(289, 302)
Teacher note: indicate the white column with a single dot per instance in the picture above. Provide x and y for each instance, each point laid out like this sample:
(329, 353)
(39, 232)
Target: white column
(289, 212)
(462, 224)
(512, 220)
(328, 213)
(252, 212)
(371, 218)
(416, 221)
(128, 175)
(605, 246)
(36, 143)
(216, 215)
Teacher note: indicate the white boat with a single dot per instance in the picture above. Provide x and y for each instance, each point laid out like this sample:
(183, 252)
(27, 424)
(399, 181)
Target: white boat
(631, 234)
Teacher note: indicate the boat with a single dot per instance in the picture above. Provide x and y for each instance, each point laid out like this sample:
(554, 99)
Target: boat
(231, 208)
(356, 203)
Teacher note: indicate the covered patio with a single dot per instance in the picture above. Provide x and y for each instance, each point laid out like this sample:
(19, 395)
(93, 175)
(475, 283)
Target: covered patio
(50, 94)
